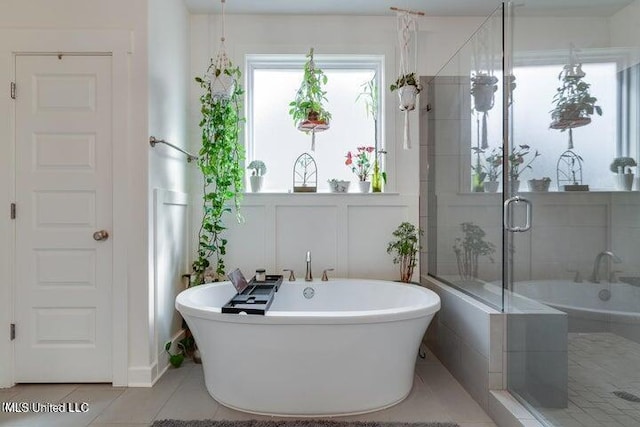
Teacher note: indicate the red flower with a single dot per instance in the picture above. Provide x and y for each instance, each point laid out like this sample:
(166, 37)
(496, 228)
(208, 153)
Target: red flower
(349, 159)
(370, 149)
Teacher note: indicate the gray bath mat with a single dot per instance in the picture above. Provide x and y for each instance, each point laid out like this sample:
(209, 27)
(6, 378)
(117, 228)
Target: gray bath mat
(294, 423)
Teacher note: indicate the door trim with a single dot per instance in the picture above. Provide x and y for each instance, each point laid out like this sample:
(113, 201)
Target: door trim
(118, 44)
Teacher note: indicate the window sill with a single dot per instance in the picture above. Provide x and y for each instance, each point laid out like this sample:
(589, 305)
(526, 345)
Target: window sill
(321, 193)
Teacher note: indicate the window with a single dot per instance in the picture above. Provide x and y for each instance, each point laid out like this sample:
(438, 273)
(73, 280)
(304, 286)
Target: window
(597, 143)
(271, 134)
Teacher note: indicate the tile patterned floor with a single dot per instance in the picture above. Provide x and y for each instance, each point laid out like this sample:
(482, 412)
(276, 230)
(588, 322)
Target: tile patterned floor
(181, 394)
(599, 364)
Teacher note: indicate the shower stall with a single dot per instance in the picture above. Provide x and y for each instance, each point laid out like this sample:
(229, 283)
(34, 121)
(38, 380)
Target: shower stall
(531, 200)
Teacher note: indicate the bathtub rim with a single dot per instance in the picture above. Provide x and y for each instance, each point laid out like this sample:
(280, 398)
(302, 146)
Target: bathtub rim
(634, 317)
(314, 317)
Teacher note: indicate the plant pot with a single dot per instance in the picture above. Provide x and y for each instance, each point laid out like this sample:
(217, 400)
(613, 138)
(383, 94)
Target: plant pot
(491, 186)
(539, 185)
(363, 186)
(408, 95)
(624, 181)
(514, 186)
(483, 89)
(339, 186)
(313, 123)
(256, 183)
(176, 360)
(222, 86)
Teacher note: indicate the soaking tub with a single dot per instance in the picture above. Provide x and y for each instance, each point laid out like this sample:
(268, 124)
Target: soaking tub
(340, 347)
(592, 307)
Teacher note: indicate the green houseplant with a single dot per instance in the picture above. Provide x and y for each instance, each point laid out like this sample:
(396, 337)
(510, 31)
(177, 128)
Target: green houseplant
(573, 102)
(408, 89)
(470, 248)
(404, 248)
(220, 160)
(175, 359)
(258, 170)
(307, 108)
(621, 166)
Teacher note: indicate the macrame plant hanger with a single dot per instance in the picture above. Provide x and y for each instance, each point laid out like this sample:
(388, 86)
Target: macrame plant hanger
(407, 28)
(222, 82)
(484, 83)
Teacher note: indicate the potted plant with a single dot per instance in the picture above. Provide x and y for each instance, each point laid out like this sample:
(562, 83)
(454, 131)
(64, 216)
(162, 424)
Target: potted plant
(338, 185)
(307, 109)
(175, 359)
(621, 166)
(360, 164)
(258, 170)
(404, 248)
(492, 167)
(518, 163)
(573, 103)
(408, 89)
(469, 249)
(371, 101)
(539, 185)
(483, 88)
(220, 161)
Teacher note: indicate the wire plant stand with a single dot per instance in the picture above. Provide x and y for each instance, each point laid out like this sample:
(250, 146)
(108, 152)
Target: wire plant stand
(305, 174)
(569, 172)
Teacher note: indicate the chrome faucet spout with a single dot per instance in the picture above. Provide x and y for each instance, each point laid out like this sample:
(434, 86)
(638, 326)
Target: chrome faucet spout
(595, 276)
(308, 277)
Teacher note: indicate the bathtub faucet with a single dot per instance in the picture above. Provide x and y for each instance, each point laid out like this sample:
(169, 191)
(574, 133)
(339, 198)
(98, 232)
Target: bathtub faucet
(595, 276)
(308, 276)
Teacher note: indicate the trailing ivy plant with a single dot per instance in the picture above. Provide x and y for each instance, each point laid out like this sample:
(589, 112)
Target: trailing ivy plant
(220, 160)
(311, 96)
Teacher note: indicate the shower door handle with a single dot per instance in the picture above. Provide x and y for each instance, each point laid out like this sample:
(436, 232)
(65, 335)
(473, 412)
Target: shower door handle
(507, 214)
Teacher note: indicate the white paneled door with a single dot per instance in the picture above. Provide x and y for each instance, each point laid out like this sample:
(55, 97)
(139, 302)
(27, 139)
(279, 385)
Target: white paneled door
(63, 271)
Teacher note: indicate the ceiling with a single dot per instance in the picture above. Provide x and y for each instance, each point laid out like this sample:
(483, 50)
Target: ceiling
(430, 7)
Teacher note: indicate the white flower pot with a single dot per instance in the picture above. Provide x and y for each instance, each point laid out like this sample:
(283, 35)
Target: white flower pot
(490, 186)
(624, 181)
(256, 183)
(364, 186)
(408, 95)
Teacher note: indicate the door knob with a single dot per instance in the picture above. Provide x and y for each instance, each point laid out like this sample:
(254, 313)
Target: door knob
(101, 235)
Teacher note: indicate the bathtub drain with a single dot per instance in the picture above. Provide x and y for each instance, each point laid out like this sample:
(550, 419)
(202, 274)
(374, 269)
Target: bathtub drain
(308, 293)
(627, 396)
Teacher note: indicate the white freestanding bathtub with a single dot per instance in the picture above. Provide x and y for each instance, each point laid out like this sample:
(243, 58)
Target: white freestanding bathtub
(350, 348)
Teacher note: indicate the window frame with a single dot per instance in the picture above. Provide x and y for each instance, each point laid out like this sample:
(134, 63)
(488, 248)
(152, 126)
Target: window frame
(325, 62)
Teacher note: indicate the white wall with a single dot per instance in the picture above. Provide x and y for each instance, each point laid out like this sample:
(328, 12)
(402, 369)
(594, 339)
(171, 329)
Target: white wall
(168, 222)
(625, 30)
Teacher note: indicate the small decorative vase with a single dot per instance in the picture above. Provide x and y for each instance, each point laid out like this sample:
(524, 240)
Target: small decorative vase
(624, 181)
(477, 183)
(491, 186)
(407, 95)
(376, 179)
(364, 186)
(256, 183)
(514, 186)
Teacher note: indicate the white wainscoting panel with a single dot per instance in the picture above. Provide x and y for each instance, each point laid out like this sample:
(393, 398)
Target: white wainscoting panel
(347, 232)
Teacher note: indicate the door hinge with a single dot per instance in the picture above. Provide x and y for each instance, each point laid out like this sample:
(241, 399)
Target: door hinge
(13, 211)
(12, 331)
(13, 90)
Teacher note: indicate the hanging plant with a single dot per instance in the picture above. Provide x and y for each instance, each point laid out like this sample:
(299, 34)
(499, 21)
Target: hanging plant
(307, 109)
(220, 161)
(573, 103)
(408, 89)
